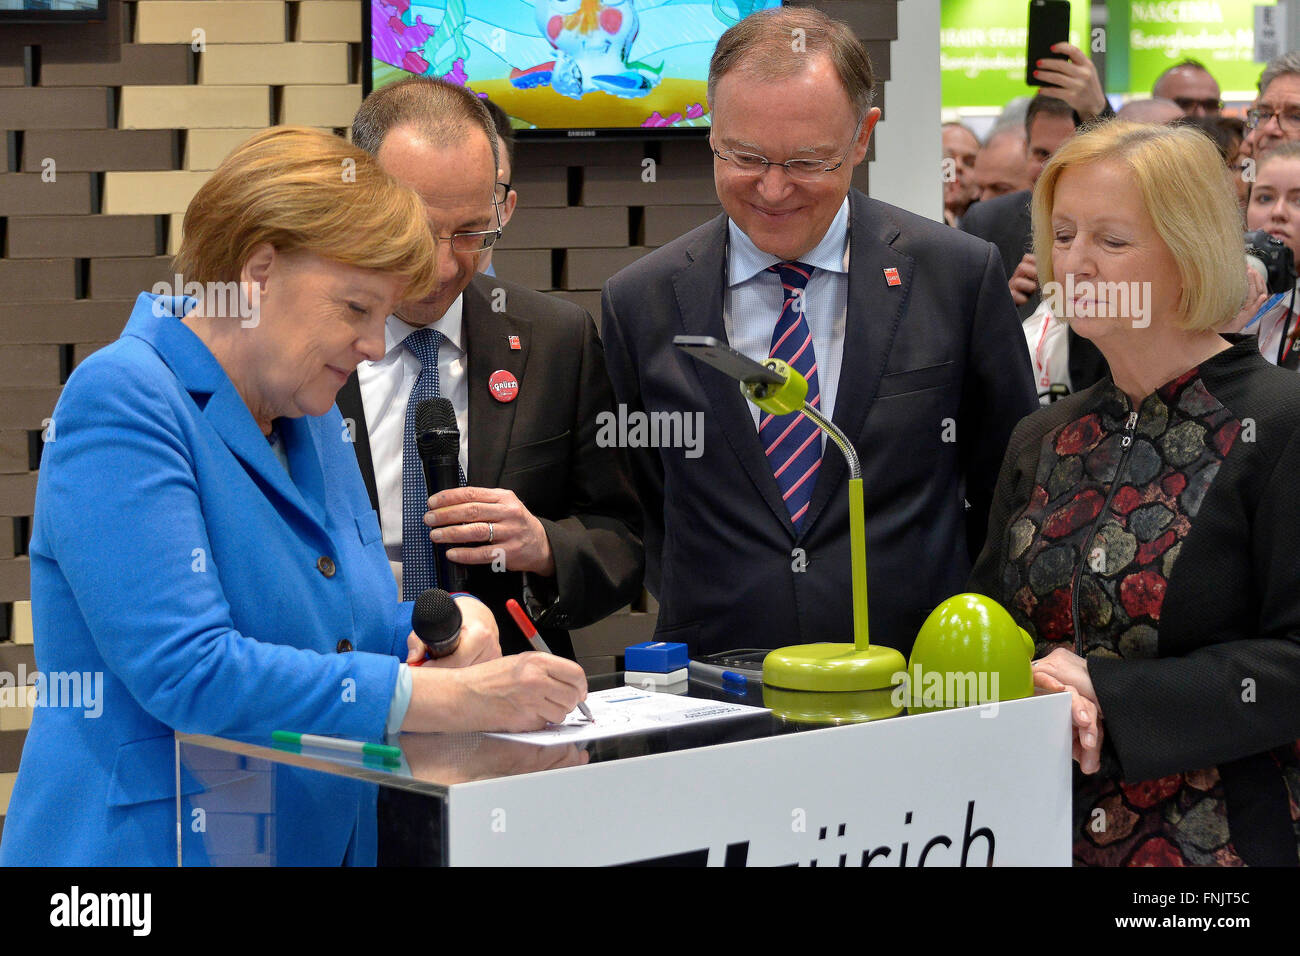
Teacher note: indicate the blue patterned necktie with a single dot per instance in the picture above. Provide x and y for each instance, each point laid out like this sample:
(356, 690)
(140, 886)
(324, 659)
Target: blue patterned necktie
(419, 570)
(792, 442)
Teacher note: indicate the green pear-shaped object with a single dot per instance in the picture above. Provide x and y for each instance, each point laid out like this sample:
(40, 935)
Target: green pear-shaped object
(969, 651)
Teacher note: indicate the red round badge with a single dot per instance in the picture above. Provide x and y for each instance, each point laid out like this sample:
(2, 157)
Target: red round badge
(503, 385)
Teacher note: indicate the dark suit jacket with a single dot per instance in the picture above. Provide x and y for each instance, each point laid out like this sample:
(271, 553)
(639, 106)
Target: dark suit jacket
(542, 446)
(935, 376)
(1006, 222)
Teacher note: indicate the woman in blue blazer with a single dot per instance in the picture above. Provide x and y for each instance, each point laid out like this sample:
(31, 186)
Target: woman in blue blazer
(203, 539)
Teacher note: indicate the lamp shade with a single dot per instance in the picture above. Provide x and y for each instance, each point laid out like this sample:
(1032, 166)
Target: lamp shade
(969, 651)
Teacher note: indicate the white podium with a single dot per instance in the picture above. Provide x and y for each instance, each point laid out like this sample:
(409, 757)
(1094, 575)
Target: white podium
(971, 787)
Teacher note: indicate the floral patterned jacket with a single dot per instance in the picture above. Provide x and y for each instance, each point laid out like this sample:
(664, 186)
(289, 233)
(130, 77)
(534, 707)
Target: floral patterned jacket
(1163, 543)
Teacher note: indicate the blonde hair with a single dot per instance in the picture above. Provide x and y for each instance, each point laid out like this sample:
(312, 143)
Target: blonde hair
(303, 190)
(1179, 172)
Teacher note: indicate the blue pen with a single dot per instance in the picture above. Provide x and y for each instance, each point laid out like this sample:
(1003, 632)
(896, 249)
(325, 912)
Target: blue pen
(1264, 308)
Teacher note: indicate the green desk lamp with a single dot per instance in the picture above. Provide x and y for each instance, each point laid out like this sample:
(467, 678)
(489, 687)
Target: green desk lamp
(816, 683)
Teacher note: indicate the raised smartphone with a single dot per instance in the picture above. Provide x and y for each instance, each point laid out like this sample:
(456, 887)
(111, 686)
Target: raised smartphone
(1049, 24)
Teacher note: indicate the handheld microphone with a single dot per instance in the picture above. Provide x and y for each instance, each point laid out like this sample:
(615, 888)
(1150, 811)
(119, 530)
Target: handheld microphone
(436, 620)
(438, 440)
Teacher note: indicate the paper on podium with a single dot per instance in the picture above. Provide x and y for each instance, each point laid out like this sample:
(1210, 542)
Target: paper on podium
(630, 710)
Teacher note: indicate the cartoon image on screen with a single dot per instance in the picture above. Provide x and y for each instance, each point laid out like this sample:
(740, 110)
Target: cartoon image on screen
(562, 64)
(591, 44)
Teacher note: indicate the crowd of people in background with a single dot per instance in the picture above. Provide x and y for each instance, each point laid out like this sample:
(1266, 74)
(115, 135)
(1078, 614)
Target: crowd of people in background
(988, 188)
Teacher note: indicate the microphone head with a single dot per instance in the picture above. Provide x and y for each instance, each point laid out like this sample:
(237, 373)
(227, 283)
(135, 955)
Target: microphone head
(436, 432)
(435, 414)
(436, 620)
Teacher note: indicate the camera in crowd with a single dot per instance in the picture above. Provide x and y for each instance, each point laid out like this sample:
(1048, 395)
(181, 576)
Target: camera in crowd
(1275, 260)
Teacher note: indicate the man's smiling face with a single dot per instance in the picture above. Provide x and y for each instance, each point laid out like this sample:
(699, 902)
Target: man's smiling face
(807, 116)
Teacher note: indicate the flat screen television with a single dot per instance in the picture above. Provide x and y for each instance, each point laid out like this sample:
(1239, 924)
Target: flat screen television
(47, 11)
(562, 68)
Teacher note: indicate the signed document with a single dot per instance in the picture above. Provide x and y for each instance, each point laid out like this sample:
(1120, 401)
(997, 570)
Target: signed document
(630, 710)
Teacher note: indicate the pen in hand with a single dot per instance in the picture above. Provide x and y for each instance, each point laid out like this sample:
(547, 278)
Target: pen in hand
(535, 639)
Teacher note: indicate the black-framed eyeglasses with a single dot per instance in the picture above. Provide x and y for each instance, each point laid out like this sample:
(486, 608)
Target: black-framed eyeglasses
(1288, 119)
(797, 169)
(1188, 103)
(502, 191)
(483, 238)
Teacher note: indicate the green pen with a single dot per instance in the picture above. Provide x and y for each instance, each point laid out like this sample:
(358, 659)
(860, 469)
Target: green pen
(390, 755)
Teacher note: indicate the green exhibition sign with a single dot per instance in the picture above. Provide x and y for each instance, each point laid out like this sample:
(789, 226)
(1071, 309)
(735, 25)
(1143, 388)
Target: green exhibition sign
(982, 49)
(1219, 33)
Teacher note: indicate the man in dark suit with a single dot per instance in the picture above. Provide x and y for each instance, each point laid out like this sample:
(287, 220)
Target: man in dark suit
(903, 327)
(1006, 222)
(545, 515)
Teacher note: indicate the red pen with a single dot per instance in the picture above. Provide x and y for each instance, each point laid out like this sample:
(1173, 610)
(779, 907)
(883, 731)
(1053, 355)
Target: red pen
(529, 630)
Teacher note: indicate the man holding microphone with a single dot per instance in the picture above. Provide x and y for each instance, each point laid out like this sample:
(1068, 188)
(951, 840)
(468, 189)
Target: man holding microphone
(544, 515)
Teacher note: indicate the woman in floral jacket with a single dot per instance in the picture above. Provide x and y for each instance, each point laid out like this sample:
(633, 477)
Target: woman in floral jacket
(1144, 531)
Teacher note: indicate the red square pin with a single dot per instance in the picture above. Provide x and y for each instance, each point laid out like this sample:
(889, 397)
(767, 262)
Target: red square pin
(514, 342)
(891, 277)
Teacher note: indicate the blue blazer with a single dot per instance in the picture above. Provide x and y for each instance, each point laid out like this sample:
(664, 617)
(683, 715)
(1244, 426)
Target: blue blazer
(172, 553)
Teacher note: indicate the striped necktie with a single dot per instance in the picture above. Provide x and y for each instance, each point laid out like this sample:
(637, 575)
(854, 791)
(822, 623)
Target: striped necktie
(419, 570)
(792, 442)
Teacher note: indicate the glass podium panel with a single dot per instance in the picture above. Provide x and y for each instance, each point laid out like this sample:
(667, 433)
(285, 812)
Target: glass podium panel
(245, 802)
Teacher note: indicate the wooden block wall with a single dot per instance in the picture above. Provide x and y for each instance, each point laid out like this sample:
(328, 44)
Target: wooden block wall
(109, 129)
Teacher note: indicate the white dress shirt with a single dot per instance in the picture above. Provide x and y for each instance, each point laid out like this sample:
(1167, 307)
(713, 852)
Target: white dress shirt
(1048, 339)
(754, 298)
(1274, 321)
(385, 388)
